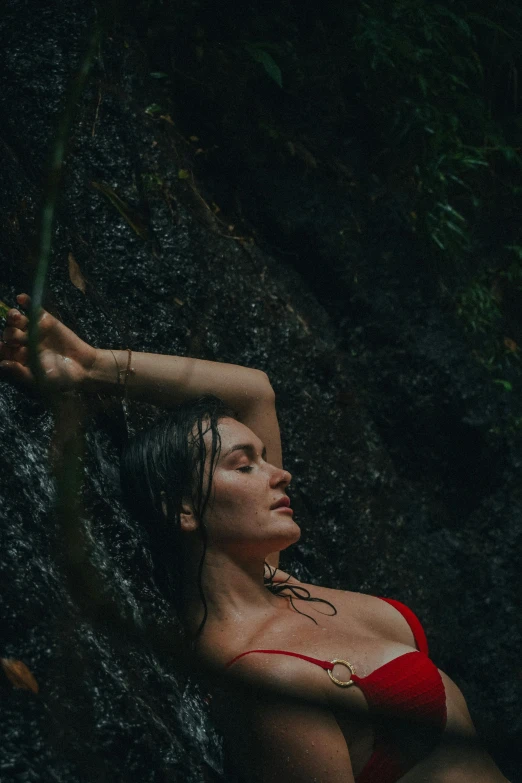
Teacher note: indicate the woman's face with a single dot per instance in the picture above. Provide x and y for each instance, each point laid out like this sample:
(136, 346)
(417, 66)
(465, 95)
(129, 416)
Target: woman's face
(245, 488)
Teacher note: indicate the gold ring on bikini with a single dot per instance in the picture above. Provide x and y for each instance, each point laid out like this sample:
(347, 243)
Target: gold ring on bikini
(341, 683)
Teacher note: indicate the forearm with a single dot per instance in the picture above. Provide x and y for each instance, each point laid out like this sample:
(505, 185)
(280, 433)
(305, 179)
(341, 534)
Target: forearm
(168, 380)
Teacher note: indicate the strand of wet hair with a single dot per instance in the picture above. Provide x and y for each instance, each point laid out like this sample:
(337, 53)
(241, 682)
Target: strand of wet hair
(215, 449)
(277, 590)
(203, 529)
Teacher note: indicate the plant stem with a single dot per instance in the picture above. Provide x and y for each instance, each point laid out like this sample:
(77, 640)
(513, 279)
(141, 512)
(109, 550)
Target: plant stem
(51, 192)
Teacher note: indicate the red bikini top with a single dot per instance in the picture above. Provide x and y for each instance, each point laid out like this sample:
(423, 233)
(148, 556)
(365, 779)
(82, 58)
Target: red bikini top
(409, 687)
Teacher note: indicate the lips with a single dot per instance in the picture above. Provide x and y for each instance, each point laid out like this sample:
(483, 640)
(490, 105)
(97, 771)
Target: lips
(284, 501)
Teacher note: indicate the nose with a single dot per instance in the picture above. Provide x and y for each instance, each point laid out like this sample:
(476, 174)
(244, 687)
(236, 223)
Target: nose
(280, 476)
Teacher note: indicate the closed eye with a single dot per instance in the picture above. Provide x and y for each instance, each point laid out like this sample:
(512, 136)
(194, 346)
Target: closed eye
(246, 468)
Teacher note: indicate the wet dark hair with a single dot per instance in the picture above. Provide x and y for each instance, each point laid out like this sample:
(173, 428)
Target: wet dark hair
(291, 591)
(166, 463)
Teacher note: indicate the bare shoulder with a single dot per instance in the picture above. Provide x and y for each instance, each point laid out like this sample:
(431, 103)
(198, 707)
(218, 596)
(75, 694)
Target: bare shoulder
(276, 676)
(356, 600)
(360, 613)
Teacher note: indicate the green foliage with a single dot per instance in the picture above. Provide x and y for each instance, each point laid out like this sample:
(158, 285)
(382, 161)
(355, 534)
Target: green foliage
(428, 90)
(259, 53)
(505, 384)
(422, 66)
(152, 182)
(477, 306)
(511, 426)
(441, 81)
(4, 309)
(154, 109)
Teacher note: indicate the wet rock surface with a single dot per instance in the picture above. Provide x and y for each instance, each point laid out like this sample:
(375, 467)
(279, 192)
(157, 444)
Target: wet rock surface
(402, 483)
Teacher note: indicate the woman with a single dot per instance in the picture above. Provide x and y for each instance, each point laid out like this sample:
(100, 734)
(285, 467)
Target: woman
(307, 683)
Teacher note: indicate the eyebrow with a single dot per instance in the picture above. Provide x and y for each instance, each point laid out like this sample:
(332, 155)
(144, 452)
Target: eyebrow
(248, 447)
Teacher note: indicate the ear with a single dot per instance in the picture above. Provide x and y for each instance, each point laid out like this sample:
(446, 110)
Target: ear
(188, 520)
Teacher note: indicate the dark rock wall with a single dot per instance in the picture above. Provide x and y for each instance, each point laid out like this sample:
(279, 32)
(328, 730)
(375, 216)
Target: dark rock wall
(402, 483)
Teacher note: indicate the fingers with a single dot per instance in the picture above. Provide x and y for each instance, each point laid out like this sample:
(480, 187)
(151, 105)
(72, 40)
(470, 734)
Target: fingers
(15, 373)
(19, 353)
(16, 318)
(13, 348)
(14, 364)
(24, 300)
(45, 320)
(15, 332)
(12, 336)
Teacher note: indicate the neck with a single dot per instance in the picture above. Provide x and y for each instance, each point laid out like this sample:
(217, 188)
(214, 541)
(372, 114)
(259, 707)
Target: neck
(234, 591)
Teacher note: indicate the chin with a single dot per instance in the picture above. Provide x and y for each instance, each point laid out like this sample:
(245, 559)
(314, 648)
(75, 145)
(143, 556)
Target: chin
(287, 539)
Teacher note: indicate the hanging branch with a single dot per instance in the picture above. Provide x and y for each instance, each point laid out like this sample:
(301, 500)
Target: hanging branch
(85, 583)
(51, 192)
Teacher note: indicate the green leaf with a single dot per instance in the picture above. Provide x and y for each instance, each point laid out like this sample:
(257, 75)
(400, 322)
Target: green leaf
(456, 80)
(449, 208)
(473, 162)
(4, 309)
(437, 241)
(183, 174)
(267, 61)
(488, 23)
(132, 216)
(506, 384)
(158, 75)
(456, 229)
(154, 108)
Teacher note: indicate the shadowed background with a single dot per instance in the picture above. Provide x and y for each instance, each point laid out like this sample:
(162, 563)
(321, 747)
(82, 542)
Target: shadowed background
(286, 191)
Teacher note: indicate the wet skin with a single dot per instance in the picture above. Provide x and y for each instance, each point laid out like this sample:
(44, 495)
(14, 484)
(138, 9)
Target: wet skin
(262, 698)
(257, 689)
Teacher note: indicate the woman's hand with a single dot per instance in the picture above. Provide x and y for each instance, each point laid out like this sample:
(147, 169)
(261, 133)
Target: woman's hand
(65, 359)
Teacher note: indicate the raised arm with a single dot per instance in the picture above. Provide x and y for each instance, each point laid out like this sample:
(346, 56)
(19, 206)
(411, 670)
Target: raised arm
(70, 363)
(167, 380)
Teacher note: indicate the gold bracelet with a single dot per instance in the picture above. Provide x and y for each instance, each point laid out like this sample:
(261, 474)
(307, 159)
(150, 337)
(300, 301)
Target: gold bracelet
(117, 366)
(127, 371)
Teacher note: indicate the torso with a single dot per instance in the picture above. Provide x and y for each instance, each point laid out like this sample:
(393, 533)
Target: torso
(368, 633)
